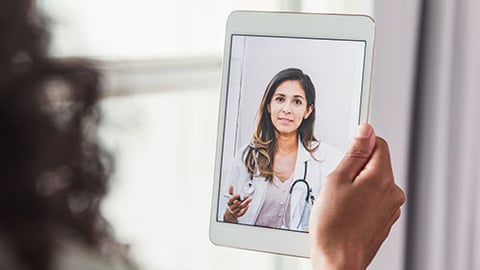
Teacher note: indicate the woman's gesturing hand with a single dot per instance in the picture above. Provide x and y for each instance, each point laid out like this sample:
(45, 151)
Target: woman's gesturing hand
(236, 206)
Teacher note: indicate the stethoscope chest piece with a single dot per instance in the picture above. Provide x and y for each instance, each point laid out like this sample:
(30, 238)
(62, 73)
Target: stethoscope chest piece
(248, 188)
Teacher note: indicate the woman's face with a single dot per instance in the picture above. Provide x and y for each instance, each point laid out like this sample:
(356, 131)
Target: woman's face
(288, 107)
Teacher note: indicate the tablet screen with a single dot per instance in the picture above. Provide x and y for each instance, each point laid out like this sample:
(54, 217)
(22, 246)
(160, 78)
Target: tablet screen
(281, 88)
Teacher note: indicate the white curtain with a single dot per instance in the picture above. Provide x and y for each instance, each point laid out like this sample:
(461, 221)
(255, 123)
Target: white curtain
(394, 75)
(444, 207)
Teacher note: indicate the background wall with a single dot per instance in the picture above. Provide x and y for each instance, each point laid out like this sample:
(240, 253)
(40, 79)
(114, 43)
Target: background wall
(335, 68)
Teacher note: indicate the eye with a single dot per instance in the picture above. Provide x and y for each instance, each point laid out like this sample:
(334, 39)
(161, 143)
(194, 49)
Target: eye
(279, 99)
(297, 101)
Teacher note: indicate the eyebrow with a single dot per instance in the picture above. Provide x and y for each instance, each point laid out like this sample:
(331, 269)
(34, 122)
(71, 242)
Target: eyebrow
(295, 96)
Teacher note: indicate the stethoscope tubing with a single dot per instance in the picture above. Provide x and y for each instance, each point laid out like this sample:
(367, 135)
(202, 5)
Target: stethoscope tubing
(250, 187)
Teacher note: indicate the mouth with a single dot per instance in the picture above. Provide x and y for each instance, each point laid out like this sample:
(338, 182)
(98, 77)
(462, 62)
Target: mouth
(285, 120)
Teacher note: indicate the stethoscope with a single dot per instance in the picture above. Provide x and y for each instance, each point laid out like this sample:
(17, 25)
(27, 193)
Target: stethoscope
(249, 189)
(309, 194)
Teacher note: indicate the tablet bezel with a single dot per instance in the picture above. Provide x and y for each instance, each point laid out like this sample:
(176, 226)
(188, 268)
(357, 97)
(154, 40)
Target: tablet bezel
(282, 24)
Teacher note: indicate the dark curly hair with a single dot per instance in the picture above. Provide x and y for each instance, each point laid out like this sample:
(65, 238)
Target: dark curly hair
(53, 172)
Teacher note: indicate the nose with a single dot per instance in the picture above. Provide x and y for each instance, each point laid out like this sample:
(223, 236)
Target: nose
(286, 107)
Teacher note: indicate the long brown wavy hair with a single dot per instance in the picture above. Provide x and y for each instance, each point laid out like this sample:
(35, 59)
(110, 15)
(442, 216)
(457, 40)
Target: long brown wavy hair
(259, 154)
(53, 173)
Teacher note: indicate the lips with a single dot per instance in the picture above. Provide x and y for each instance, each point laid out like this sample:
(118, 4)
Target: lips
(285, 120)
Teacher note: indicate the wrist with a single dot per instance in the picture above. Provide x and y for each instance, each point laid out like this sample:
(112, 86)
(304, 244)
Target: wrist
(229, 217)
(335, 260)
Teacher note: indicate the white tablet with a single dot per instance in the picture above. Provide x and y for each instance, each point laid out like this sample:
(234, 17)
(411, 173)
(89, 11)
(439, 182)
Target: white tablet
(295, 86)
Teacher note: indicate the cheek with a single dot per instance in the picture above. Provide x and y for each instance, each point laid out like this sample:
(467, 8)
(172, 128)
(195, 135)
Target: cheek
(301, 113)
(273, 109)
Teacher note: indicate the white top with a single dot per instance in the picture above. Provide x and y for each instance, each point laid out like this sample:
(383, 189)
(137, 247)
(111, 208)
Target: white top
(275, 206)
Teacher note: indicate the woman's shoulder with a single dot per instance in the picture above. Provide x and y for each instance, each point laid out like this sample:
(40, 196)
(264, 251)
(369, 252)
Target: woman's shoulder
(240, 153)
(326, 152)
(329, 148)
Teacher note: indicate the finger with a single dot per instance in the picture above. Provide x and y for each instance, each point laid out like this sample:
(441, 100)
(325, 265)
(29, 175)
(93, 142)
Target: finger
(234, 200)
(230, 190)
(397, 196)
(396, 216)
(238, 207)
(359, 153)
(246, 202)
(380, 156)
(242, 212)
(402, 197)
(238, 210)
(238, 204)
(229, 209)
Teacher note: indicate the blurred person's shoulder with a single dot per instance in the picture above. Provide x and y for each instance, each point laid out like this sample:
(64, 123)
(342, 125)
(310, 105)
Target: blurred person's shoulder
(75, 255)
(7, 260)
(72, 255)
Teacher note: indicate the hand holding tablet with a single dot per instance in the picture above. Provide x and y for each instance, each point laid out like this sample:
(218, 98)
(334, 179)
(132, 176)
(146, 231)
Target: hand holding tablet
(294, 89)
(357, 206)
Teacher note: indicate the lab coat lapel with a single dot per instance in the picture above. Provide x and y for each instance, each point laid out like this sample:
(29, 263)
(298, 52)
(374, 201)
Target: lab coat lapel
(258, 198)
(297, 200)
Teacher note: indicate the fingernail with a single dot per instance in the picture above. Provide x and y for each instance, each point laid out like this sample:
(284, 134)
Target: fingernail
(364, 131)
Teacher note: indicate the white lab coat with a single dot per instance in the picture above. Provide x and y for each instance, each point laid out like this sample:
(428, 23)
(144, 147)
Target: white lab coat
(323, 161)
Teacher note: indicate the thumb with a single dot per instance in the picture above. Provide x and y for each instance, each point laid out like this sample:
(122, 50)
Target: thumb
(358, 154)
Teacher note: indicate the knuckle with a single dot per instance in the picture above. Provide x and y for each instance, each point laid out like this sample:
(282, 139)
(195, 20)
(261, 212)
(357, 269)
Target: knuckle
(335, 177)
(381, 143)
(397, 214)
(381, 140)
(387, 187)
(397, 195)
(401, 196)
(358, 153)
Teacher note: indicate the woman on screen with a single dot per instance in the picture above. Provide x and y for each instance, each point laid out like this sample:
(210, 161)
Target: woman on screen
(275, 180)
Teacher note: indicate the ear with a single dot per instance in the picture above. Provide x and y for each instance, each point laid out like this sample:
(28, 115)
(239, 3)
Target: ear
(308, 111)
(268, 108)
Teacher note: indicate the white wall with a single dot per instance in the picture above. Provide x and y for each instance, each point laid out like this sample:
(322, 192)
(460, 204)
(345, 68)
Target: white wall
(335, 68)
